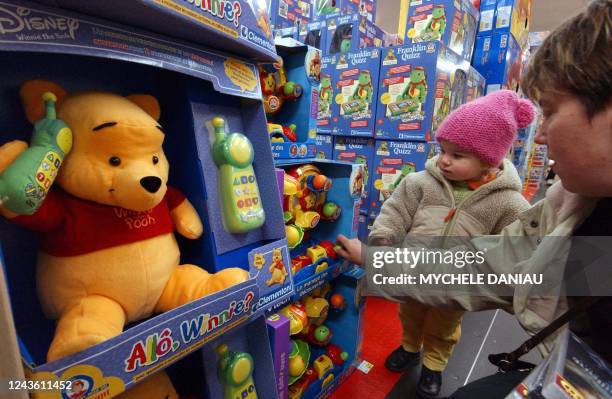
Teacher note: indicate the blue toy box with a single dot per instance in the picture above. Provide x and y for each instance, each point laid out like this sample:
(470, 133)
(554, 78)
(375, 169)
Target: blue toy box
(80, 53)
(289, 13)
(327, 93)
(351, 32)
(393, 160)
(326, 8)
(476, 85)
(453, 22)
(419, 86)
(284, 33)
(355, 78)
(498, 59)
(313, 34)
(240, 27)
(506, 16)
(325, 146)
(360, 151)
(302, 65)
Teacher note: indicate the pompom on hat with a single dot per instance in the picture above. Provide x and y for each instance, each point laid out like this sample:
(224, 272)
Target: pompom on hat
(488, 126)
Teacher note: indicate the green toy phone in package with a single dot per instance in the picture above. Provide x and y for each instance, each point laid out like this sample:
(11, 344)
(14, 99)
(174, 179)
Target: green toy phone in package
(25, 183)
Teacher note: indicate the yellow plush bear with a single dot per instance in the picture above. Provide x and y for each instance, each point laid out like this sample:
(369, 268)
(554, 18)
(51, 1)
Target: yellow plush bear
(108, 254)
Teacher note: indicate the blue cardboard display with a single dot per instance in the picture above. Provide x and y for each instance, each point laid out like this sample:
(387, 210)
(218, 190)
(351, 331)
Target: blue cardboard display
(392, 161)
(498, 58)
(327, 92)
(355, 76)
(239, 27)
(506, 16)
(289, 13)
(80, 53)
(291, 33)
(303, 66)
(419, 86)
(360, 151)
(486, 25)
(351, 32)
(313, 34)
(366, 220)
(453, 22)
(476, 85)
(325, 146)
(326, 8)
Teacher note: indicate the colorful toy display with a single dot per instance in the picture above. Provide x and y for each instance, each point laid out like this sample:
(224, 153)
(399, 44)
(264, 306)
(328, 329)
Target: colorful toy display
(236, 374)
(299, 357)
(351, 32)
(25, 183)
(476, 85)
(241, 202)
(312, 34)
(325, 123)
(324, 146)
(506, 16)
(275, 87)
(418, 86)
(449, 21)
(282, 134)
(498, 58)
(361, 151)
(289, 13)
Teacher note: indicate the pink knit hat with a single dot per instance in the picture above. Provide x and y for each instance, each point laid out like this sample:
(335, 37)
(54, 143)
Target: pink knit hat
(488, 125)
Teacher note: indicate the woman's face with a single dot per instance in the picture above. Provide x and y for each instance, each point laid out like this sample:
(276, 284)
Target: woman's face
(581, 148)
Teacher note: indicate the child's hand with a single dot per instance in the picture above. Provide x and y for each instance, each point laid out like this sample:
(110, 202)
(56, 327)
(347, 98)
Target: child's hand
(350, 249)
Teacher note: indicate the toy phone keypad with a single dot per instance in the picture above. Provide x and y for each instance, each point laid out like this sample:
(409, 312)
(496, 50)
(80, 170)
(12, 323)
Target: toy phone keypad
(236, 374)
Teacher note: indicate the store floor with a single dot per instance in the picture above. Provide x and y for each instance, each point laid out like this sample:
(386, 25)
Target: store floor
(482, 333)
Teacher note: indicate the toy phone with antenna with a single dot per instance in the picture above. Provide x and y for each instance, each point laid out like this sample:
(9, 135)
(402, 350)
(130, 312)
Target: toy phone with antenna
(235, 371)
(24, 184)
(239, 193)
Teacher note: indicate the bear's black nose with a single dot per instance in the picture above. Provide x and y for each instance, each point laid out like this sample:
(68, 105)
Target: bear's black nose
(151, 183)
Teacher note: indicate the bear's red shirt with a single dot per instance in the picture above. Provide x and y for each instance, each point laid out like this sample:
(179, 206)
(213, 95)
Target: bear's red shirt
(72, 226)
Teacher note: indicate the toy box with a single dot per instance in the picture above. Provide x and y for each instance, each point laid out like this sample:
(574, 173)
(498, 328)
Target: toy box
(79, 53)
(351, 32)
(312, 34)
(476, 85)
(321, 201)
(366, 220)
(452, 22)
(355, 77)
(278, 332)
(326, 8)
(327, 93)
(498, 59)
(325, 146)
(360, 151)
(419, 86)
(393, 160)
(291, 33)
(292, 119)
(289, 13)
(241, 27)
(506, 16)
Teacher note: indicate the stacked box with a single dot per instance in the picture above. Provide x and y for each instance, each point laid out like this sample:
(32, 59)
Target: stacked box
(351, 32)
(476, 85)
(289, 13)
(486, 24)
(356, 77)
(291, 33)
(449, 21)
(393, 160)
(326, 8)
(498, 58)
(327, 92)
(312, 34)
(324, 146)
(361, 151)
(419, 86)
(506, 16)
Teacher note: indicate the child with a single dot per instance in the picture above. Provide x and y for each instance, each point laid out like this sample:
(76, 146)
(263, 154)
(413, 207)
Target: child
(468, 189)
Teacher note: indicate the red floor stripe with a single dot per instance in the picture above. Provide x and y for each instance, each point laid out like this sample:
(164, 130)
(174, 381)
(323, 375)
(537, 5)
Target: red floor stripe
(381, 335)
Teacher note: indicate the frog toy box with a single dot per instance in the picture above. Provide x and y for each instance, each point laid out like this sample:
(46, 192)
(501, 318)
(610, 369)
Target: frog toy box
(356, 77)
(311, 34)
(453, 22)
(289, 13)
(327, 91)
(351, 32)
(419, 85)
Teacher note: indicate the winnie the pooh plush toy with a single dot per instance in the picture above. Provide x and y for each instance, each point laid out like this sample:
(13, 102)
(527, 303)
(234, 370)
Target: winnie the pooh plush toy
(108, 255)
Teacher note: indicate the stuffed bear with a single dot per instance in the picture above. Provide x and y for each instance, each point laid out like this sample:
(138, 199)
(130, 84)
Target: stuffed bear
(108, 255)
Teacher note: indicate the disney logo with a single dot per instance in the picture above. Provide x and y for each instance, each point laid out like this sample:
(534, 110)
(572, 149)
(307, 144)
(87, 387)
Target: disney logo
(21, 19)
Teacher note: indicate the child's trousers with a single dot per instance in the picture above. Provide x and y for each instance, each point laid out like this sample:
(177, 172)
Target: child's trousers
(434, 330)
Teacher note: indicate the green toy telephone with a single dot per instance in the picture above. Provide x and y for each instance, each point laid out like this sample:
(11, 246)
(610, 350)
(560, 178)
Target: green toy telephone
(25, 183)
(240, 199)
(235, 370)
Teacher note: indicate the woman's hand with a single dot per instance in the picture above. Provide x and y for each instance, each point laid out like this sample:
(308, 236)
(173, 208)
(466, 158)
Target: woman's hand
(349, 249)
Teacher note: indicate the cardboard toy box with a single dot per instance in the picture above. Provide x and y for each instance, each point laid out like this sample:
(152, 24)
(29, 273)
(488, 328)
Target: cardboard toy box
(302, 66)
(79, 53)
(476, 85)
(366, 220)
(326, 8)
(355, 77)
(313, 34)
(351, 32)
(327, 92)
(393, 160)
(291, 33)
(419, 86)
(498, 59)
(453, 22)
(357, 150)
(289, 13)
(506, 16)
(278, 333)
(240, 27)
(325, 146)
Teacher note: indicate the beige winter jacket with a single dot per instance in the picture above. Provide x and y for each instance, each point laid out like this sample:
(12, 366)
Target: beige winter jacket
(421, 206)
(538, 242)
